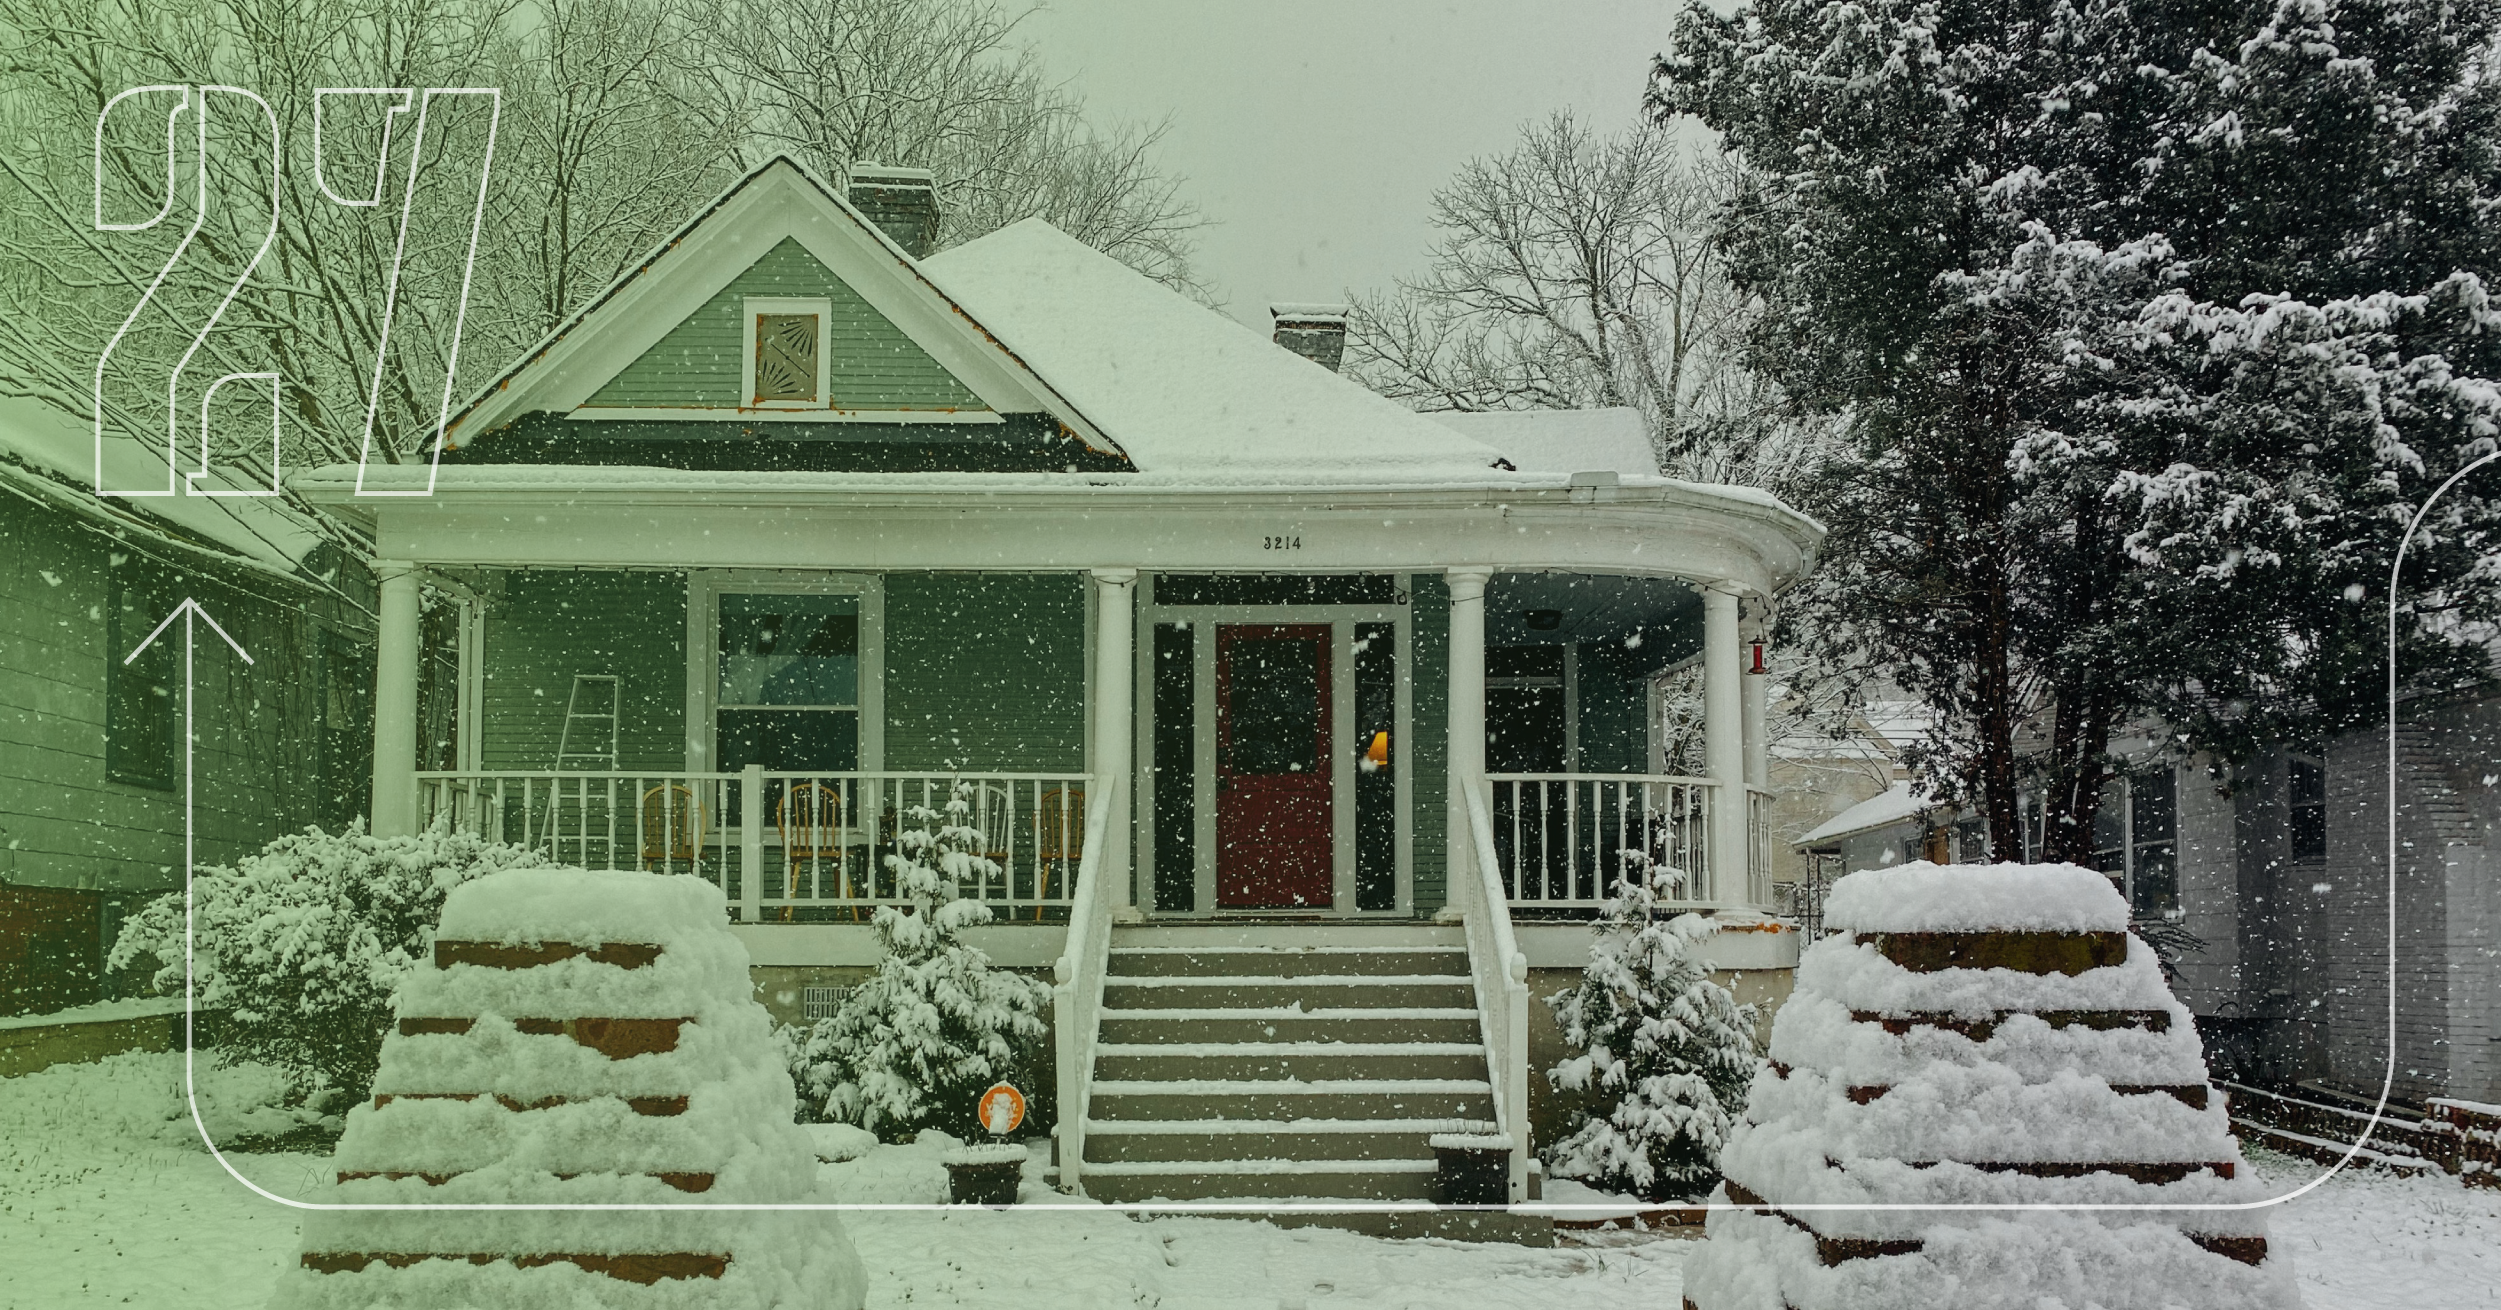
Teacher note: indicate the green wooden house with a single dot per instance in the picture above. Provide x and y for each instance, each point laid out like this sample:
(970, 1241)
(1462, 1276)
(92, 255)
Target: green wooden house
(91, 773)
(1300, 725)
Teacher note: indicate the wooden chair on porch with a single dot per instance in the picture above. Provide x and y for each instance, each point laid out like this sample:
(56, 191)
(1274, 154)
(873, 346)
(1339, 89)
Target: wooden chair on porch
(1059, 825)
(994, 808)
(672, 827)
(810, 821)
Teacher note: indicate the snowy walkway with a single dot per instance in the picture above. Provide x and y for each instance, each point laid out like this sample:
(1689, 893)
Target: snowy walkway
(105, 1200)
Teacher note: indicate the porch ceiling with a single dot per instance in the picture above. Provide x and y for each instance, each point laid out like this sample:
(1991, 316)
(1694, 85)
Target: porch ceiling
(1590, 607)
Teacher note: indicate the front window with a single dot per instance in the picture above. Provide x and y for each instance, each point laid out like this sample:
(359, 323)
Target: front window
(2306, 789)
(2153, 837)
(2136, 840)
(787, 694)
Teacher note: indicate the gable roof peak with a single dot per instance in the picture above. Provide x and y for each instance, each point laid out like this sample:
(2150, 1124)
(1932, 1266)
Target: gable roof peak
(781, 198)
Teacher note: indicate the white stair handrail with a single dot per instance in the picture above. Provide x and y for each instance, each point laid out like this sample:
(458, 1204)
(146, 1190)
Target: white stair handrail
(1501, 974)
(1077, 984)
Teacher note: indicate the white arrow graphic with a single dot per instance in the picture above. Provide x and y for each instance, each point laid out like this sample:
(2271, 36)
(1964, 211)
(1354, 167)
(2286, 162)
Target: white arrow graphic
(192, 617)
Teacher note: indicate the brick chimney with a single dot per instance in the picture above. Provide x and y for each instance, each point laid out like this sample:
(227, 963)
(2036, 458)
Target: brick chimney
(1315, 332)
(902, 202)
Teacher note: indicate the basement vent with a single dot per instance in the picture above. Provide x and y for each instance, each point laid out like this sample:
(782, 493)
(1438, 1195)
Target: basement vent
(821, 1002)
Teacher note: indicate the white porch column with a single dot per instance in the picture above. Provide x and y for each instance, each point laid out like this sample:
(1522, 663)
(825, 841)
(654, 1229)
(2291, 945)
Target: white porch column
(395, 702)
(1467, 708)
(1115, 713)
(1723, 741)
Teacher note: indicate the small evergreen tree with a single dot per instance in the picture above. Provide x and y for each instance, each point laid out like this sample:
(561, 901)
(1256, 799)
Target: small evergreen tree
(914, 1046)
(1673, 1047)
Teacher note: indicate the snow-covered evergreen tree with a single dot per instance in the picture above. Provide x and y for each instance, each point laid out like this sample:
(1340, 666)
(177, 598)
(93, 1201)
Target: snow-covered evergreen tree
(1673, 1047)
(914, 1045)
(304, 943)
(2148, 321)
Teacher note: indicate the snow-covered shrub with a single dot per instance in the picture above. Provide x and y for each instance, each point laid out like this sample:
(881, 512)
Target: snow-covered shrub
(303, 943)
(914, 1045)
(1673, 1047)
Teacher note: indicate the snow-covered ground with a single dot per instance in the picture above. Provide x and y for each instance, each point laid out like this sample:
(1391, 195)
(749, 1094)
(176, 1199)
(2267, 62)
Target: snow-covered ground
(107, 1200)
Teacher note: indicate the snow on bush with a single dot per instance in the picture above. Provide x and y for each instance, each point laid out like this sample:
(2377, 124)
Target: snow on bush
(1673, 1047)
(498, 1115)
(1988, 1087)
(303, 943)
(915, 1045)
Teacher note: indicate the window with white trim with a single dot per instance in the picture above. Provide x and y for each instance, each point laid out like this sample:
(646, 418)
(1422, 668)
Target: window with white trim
(787, 689)
(787, 360)
(2136, 840)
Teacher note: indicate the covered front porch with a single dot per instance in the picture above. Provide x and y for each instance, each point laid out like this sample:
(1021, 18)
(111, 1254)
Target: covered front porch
(1290, 746)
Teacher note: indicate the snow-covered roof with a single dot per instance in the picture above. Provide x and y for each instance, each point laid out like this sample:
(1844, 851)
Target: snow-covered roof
(1609, 440)
(1896, 803)
(1180, 387)
(54, 455)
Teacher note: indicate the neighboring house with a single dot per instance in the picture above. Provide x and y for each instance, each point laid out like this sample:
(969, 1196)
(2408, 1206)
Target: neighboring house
(1818, 781)
(91, 801)
(1288, 712)
(2287, 881)
(2281, 872)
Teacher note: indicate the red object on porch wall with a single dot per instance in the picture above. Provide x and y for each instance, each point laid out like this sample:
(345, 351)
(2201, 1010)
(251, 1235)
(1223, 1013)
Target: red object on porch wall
(1275, 817)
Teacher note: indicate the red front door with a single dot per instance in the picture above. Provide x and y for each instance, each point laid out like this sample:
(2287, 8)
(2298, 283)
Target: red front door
(1275, 825)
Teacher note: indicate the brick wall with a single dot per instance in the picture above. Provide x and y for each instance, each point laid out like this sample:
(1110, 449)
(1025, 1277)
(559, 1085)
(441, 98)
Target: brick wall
(48, 948)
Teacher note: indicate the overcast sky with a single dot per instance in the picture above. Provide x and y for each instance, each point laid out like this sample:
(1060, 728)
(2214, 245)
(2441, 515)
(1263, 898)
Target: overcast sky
(1313, 132)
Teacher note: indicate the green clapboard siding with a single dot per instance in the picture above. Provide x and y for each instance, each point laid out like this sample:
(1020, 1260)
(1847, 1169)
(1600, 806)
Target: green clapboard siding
(985, 671)
(1431, 705)
(550, 625)
(1613, 700)
(875, 366)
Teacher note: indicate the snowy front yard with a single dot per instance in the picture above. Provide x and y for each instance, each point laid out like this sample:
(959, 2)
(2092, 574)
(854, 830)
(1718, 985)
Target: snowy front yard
(106, 1199)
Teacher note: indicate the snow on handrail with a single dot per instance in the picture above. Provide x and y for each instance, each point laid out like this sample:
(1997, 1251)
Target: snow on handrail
(1501, 974)
(1077, 984)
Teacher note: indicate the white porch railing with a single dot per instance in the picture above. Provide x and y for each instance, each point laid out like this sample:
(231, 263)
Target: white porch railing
(1758, 847)
(1559, 838)
(785, 846)
(1501, 974)
(1077, 990)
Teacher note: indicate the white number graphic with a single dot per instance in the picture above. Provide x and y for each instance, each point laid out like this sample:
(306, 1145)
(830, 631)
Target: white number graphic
(196, 101)
(390, 294)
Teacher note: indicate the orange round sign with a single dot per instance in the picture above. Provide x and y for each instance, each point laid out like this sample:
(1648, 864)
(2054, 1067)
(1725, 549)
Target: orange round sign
(1002, 1108)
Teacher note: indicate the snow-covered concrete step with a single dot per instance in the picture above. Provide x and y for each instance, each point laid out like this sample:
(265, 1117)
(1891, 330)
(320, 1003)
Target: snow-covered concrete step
(1272, 1098)
(1293, 1023)
(1309, 1061)
(1146, 1180)
(1125, 1141)
(1329, 990)
(1301, 932)
(1286, 961)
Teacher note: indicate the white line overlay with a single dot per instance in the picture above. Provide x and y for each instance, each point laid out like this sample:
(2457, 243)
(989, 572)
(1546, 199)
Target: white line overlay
(1080, 1206)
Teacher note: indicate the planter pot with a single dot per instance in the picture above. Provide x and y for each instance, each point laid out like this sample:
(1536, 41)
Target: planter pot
(984, 1175)
(1473, 1169)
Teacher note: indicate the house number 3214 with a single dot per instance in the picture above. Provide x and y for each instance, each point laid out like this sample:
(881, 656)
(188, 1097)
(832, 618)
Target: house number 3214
(1281, 543)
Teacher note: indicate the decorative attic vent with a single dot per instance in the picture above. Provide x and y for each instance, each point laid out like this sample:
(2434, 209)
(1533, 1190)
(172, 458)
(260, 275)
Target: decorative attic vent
(786, 357)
